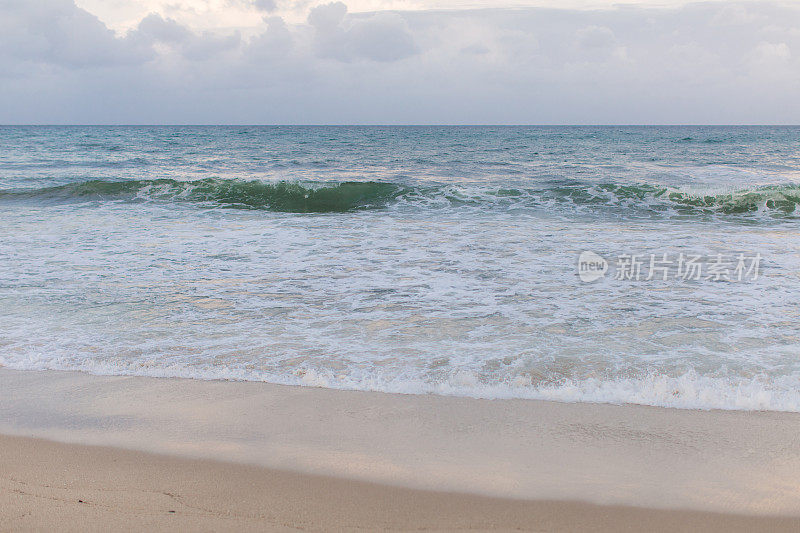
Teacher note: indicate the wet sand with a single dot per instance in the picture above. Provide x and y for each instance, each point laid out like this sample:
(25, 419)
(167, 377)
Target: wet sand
(255, 456)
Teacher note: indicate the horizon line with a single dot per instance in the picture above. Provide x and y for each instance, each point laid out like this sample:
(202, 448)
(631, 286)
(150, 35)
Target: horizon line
(379, 125)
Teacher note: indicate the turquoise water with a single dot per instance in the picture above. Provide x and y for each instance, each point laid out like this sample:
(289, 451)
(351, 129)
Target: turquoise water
(409, 259)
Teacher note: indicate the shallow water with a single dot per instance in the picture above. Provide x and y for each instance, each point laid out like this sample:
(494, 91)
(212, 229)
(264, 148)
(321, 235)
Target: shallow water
(416, 260)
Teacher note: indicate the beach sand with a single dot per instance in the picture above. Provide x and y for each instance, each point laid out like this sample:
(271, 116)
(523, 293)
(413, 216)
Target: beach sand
(51, 486)
(257, 456)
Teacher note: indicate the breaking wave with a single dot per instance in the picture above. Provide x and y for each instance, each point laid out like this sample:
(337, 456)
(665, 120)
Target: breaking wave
(776, 201)
(281, 196)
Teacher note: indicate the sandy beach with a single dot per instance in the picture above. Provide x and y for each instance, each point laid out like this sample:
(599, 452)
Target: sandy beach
(257, 456)
(51, 486)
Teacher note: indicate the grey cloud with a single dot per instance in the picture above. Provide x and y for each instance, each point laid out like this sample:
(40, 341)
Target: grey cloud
(196, 47)
(382, 37)
(598, 44)
(208, 45)
(59, 33)
(326, 18)
(275, 42)
(157, 28)
(596, 37)
(703, 63)
(266, 5)
(378, 37)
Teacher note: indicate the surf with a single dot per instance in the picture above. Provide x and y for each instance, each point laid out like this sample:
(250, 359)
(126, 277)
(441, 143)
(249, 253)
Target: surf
(634, 199)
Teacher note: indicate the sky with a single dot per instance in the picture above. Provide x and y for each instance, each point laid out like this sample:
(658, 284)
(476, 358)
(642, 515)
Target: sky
(398, 62)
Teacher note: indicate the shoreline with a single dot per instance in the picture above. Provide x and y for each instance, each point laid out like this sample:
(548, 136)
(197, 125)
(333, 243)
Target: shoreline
(530, 452)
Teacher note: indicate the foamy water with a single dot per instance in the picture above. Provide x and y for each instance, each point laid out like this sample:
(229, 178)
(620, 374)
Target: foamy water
(415, 260)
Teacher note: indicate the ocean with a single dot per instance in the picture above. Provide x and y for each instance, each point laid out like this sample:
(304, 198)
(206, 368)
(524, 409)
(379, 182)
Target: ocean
(647, 265)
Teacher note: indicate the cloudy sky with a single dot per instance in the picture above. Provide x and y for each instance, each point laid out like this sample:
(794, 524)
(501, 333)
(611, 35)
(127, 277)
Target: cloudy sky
(399, 61)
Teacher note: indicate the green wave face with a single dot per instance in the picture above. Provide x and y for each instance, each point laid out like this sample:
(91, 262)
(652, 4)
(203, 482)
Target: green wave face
(282, 196)
(782, 200)
(294, 198)
(776, 201)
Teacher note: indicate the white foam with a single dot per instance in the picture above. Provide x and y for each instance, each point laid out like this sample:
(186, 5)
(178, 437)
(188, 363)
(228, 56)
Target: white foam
(684, 391)
(459, 302)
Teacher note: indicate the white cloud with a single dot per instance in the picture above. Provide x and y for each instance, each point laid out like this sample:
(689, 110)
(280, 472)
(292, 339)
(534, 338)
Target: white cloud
(766, 53)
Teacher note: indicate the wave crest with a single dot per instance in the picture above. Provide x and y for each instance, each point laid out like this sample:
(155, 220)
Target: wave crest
(635, 200)
(280, 196)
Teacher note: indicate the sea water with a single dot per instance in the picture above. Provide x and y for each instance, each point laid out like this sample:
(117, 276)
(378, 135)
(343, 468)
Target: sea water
(441, 260)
